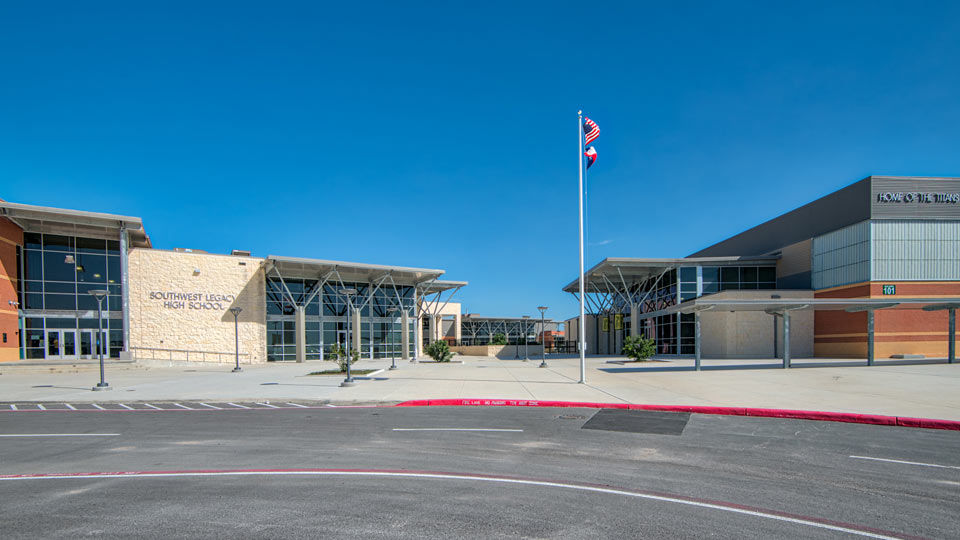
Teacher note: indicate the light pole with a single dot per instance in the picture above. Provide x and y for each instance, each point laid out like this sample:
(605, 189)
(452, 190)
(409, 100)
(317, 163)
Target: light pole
(543, 337)
(348, 293)
(392, 312)
(236, 335)
(100, 294)
(526, 340)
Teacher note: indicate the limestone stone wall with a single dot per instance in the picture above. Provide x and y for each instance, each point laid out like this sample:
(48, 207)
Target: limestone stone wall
(179, 306)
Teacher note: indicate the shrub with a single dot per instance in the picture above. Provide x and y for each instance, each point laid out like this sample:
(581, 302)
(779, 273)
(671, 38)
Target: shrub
(339, 355)
(440, 351)
(639, 348)
(498, 339)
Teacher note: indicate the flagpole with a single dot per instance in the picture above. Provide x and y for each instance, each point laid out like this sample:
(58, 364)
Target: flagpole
(581, 333)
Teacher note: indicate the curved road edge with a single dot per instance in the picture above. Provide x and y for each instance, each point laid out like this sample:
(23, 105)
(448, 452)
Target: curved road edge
(825, 416)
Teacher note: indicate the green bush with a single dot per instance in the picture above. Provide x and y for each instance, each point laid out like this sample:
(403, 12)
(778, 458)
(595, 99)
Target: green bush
(639, 348)
(440, 351)
(498, 339)
(339, 355)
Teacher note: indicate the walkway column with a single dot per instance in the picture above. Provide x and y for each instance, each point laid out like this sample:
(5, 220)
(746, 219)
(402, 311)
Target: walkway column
(786, 338)
(870, 337)
(356, 330)
(433, 328)
(404, 334)
(300, 332)
(696, 340)
(634, 320)
(952, 335)
(124, 290)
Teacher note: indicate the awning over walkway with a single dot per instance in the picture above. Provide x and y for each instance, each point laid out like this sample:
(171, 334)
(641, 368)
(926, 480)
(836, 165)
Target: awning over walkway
(44, 219)
(296, 267)
(613, 275)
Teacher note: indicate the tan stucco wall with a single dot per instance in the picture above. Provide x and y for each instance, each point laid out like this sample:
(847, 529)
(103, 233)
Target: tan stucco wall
(202, 323)
(749, 334)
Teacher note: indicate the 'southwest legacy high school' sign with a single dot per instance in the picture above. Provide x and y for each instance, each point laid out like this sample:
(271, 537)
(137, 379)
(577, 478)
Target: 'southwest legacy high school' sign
(193, 300)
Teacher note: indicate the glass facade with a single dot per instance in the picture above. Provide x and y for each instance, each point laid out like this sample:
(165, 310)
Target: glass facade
(325, 314)
(675, 333)
(60, 316)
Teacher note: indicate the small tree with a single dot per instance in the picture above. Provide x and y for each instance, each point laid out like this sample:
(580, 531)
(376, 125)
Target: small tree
(440, 351)
(639, 348)
(498, 339)
(339, 355)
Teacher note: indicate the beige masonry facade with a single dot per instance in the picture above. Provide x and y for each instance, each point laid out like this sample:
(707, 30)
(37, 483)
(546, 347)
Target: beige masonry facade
(179, 307)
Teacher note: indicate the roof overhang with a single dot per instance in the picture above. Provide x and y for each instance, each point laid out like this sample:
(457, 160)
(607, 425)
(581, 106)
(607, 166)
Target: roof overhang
(49, 220)
(477, 318)
(630, 271)
(779, 305)
(296, 267)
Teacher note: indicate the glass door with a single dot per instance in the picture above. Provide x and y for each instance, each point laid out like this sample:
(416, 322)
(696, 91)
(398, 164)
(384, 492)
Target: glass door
(53, 344)
(87, 343)
(68, 344)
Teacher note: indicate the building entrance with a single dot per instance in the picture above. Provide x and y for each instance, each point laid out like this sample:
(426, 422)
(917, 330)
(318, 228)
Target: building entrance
(72, 344)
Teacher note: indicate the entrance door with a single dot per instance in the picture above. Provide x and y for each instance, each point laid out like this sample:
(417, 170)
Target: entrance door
(62, 344)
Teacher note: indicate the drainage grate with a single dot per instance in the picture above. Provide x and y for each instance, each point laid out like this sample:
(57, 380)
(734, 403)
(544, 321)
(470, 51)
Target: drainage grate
(655, 422)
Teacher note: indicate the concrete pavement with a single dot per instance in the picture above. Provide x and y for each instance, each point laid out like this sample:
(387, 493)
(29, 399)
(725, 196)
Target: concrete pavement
(909, 389)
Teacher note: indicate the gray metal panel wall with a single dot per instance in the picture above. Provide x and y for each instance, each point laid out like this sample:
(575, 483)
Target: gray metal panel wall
(842, 257)
(908, 204)
(919, 250)
(841, 208)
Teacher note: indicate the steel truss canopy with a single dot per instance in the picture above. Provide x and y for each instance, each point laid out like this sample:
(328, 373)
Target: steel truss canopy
(44, 219)
(295, 267)
(613, 275)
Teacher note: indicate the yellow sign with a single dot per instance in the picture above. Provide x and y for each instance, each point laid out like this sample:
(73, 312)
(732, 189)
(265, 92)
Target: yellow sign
(618, 321)
(605, 324)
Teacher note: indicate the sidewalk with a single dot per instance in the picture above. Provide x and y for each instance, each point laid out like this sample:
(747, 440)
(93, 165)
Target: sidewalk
(909, 389)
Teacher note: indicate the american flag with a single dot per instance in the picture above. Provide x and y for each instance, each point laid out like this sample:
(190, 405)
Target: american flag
(591, 130)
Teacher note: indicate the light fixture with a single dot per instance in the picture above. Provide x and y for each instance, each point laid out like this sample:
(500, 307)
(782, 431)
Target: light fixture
(196, 271)
(68, 259)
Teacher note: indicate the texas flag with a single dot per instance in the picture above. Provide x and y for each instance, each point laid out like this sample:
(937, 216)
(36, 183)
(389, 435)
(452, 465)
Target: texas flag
(591, 154)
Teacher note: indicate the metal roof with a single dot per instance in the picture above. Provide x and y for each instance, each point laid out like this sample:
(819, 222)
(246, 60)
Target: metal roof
(359, 272)
(706, 303)
(632, 270)
(50, 220)
(472, 317)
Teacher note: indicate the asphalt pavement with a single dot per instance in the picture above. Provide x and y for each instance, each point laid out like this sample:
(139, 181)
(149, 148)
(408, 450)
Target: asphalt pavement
(442, 472)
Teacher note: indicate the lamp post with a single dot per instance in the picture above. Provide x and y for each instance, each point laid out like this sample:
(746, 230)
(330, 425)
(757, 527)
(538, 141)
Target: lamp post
(100, 294)
(543, 337)
(526, 332)
(236, 335)
(348, 294)
(392, 312)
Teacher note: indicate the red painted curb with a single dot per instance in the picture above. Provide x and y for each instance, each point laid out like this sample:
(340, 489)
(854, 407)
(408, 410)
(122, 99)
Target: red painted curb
(824, 416)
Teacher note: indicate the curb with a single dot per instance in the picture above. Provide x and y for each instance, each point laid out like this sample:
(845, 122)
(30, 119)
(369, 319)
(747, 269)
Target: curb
(823, 416)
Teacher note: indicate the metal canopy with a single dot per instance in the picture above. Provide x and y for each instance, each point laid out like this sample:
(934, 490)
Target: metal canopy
(782, 304)
(610, 274)
(296, 267)
(61, 221)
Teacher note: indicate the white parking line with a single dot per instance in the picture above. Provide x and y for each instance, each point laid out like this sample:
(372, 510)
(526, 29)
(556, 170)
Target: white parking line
(71, 407)
(267, 405)
(238, 406)
(211, 406)
(184, 407)
(97, 406)
(41, 407)
(457, 429)
(59, 435)
(907, 462)
(298, 405)
(125, 406)
(153, 406)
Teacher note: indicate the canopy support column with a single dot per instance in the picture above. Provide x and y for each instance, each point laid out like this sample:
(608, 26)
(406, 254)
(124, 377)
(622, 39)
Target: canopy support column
(696, 340)
(405, 334)
(952, 335)
(870, 336)
(300, 327)
(786, 339)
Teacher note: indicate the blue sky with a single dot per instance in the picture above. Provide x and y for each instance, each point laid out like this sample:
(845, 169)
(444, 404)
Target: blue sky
(442, 135)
